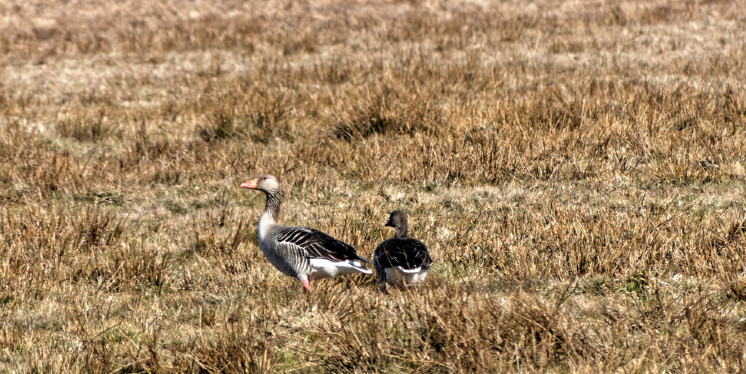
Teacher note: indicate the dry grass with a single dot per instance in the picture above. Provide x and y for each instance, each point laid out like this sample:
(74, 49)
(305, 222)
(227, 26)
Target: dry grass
(578, 169)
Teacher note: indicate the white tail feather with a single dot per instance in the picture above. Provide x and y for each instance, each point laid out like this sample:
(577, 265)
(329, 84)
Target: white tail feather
(409, 271)
(321, 268)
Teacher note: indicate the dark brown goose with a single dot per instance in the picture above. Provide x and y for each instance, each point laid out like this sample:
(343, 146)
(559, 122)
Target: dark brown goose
(401, 261)
(300, 252)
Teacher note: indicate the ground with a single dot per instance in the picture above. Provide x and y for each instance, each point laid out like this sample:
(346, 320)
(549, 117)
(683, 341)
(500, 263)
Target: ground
(577, 168)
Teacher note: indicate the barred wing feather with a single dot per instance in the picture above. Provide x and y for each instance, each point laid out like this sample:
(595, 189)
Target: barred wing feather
(405, 253)
(316, 244)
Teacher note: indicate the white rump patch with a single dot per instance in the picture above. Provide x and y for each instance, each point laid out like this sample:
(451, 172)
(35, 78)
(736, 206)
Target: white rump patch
(403, 277)
(322, 268)
(410, 271)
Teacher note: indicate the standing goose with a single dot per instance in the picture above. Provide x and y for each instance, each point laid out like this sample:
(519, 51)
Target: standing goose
(300, 252)
(401, 260)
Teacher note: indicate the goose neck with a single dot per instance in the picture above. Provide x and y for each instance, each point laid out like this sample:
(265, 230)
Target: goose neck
(274, 201)
(401, 231)
(271, 213)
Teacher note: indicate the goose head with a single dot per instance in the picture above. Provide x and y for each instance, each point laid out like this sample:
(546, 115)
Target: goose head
(265, 182)
(398, 220)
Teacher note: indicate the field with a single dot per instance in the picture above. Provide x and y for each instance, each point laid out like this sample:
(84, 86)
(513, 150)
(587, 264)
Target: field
(577, 168)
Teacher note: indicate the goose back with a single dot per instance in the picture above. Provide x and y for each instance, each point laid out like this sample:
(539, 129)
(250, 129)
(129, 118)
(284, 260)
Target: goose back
(303, 251)
(405, 254)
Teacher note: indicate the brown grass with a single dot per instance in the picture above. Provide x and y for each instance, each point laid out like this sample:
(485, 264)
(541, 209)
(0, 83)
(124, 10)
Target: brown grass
(578, 169)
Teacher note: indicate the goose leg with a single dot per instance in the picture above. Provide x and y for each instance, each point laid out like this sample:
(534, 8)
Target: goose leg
(306, 285)
(384, 289)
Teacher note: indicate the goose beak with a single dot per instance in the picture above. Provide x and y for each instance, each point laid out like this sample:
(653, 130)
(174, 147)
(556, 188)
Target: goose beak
(250, 184)
(389, 224)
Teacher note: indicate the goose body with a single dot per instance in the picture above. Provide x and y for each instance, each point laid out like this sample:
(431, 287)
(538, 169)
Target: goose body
(401, 261)
(300, 252)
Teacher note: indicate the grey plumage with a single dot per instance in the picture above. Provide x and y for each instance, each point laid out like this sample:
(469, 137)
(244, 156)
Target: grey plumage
(401, 260)
(300, 252)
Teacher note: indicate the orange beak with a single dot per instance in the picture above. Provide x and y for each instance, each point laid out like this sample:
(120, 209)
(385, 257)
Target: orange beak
(250, 184)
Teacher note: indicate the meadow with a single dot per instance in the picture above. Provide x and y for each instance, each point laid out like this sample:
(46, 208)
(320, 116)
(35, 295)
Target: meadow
(577, 168)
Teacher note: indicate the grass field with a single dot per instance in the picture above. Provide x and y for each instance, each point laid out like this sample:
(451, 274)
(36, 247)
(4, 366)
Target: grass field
(577, 168)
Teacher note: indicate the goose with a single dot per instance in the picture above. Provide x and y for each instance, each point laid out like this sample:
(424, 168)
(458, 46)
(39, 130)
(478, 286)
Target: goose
(401, 261)
(300, 252)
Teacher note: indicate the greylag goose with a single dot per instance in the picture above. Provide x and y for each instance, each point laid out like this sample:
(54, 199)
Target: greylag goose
(300, 252)
(401, 260)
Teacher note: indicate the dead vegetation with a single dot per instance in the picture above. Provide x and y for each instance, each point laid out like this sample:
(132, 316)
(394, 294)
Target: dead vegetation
(576, 167)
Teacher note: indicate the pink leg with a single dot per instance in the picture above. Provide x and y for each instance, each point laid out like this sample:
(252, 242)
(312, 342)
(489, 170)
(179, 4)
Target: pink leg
(306, 285)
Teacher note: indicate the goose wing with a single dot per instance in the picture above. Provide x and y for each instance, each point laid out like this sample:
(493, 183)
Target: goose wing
(313, 243)
(404, 253)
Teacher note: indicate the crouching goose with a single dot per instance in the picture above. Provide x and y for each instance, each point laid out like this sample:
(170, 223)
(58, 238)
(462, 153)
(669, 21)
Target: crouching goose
(300, 252)
(401, 261)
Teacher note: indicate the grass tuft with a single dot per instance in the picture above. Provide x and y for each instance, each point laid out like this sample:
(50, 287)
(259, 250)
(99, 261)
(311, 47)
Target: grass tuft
(577, 170)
